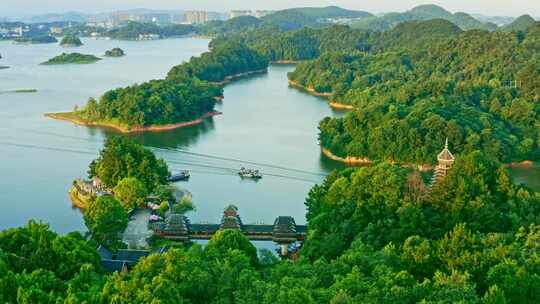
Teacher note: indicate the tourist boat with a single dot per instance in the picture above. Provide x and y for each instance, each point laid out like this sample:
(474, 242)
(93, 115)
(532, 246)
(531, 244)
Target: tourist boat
(181, 176)
(249, 173)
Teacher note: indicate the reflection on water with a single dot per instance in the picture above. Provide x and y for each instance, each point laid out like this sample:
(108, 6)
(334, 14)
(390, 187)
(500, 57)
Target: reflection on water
(178, 138)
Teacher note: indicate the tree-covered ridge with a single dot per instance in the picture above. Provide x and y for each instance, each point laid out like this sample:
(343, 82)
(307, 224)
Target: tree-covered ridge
(303, 44)
(157, 102)
(521, 24)
(422, 12)
(71, 40)
(376, 235)
(232, 26)
(72, 58)
(222, 62)
(297, 18)
(133, 30)
(480, 89)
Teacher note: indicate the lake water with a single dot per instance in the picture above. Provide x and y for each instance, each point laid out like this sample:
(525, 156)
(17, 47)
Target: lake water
(265, 125)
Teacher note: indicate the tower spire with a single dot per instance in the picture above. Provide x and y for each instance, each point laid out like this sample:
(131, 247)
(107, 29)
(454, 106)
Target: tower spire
(445, 161)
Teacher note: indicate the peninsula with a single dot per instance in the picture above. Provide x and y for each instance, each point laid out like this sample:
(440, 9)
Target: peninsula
(72, 58)
(157, 105)
(185, 98)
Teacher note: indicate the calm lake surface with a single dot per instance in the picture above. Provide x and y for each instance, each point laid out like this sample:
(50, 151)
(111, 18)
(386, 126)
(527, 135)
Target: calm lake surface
(265, 125)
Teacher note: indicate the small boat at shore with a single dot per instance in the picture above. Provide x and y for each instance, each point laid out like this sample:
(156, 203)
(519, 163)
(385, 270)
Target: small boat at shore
(181, 176)
(249, 173)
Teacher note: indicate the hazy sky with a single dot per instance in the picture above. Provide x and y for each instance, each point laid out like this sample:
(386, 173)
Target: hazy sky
(487, 7)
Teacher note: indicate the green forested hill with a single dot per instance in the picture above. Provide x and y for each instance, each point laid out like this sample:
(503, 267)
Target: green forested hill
(480, 89)
(521, 24)
(296, 18)
(234, 25)
(423, 12)
(415, 34)
(303, 44)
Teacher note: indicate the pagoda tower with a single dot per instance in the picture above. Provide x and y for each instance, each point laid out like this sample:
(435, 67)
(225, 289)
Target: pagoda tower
(445, 161)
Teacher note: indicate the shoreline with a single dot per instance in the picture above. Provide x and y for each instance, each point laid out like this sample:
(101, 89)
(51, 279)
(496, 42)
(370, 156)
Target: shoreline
(363, 161)
(355, 161)
(231, 78)
(333, 104)
(136, 129)
(340, 106)
(309, 89)
(349, 160)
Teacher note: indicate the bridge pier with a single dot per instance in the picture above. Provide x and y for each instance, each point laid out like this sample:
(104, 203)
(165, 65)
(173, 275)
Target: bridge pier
(284, 249)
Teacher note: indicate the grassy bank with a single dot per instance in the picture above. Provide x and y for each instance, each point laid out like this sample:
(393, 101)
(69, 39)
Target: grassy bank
(309, 90)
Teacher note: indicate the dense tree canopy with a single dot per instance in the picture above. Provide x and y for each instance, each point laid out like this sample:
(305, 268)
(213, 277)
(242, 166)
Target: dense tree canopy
(224, 60)
(123, 158)
(157, 102)
(131, 192)
(106, 219)
(480, 89)
(38, 266)
(376, 235)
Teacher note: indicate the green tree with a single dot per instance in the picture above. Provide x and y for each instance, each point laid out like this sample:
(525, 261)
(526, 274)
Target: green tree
(226, 240)
(106, 219)
(131, 193)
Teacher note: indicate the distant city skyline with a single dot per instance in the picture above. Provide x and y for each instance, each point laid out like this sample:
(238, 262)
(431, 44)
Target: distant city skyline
(26, 8)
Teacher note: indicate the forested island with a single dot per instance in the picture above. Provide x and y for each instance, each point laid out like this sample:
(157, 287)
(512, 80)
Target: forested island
(156, 105)
(115, 52)
(36, 40)
(72, 58)
(71, 41)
